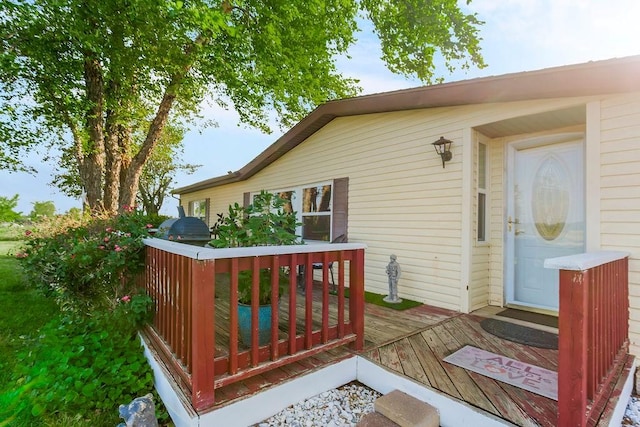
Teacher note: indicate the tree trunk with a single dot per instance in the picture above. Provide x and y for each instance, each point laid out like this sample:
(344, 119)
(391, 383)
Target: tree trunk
(92, 158)
(129, 187)
(113, 163)
(130, 175)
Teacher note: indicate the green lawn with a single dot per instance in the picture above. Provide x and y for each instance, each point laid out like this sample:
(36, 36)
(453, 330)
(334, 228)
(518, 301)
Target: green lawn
(23, 311)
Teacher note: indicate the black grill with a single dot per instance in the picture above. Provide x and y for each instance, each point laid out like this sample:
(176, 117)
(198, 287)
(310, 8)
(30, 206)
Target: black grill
(186, 229)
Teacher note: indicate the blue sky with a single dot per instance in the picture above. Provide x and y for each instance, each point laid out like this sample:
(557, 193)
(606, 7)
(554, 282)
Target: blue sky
(518, 35)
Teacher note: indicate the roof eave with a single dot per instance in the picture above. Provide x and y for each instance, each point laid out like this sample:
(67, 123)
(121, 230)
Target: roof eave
(592, 78)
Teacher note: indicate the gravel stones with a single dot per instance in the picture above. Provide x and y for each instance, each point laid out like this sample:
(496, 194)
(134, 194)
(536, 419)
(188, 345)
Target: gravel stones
(343, 406)
(632, 413)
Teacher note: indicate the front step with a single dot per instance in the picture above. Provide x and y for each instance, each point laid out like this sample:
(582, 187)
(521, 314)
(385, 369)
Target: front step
(375, 419)
(400, 409)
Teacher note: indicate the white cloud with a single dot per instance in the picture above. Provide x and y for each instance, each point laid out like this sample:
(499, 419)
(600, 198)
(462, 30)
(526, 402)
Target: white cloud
(540, 33)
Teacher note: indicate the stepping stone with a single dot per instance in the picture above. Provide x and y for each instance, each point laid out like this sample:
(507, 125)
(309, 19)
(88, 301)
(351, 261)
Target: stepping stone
(406, 410)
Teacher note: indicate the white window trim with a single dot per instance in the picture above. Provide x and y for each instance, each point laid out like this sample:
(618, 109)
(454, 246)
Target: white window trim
(485, 191)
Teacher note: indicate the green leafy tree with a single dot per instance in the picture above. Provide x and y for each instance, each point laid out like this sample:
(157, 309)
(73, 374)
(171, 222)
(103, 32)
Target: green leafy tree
(159, 171)
(42, 210)
(7, 206)
(86, 74)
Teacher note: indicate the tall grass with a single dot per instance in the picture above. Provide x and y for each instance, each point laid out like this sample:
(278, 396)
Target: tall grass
(23, 311)
(91, 364)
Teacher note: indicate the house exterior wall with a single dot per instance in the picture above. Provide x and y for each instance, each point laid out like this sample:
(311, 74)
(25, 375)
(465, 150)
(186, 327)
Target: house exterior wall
(401, 200)
(620, 192)
(496, 228)
(613, 194)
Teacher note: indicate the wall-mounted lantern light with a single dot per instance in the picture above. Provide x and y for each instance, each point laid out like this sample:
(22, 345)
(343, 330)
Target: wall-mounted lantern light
(443, 148)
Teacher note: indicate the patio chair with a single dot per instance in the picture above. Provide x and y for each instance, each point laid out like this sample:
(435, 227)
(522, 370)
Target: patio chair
(320, 266)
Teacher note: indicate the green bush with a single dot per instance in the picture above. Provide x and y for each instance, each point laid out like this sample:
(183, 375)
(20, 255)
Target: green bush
(86, 362)
(83, 367)
(86, 265)
(265, 222)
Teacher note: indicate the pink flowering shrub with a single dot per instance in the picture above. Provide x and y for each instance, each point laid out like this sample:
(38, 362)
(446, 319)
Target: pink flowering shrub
(88, 265)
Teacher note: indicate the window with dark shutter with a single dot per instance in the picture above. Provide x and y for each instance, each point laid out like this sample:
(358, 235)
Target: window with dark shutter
(321, 208)
(200, 209)
(340, 207)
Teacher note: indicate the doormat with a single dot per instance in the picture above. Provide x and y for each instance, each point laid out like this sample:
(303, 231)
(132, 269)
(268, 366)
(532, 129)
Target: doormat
(520, 334)
(501, 368)
(528, 316)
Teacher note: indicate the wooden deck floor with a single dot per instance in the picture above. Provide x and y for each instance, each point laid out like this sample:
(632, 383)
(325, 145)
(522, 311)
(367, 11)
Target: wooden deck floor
(413, 343)
(382, 326)
(420, 356)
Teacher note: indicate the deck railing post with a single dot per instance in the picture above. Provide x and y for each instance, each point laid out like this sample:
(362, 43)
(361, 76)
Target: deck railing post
(572, 346)
(593, 336)
(356, 298)
(203, 329)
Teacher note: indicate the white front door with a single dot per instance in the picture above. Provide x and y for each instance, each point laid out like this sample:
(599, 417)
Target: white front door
(545, 217)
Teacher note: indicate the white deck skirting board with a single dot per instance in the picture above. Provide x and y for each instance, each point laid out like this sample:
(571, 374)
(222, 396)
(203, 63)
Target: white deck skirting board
(180, 415)
(269, 402)
(264, 404)
(453, 412)
(625, 394)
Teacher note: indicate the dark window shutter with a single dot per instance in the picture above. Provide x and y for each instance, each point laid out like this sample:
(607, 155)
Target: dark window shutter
(246, 199)
(340, 208)
(207, 210)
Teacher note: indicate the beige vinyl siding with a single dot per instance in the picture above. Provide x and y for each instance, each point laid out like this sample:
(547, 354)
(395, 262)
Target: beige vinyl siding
(496, 221)
(401, 200)
(620, 192)
(394, 206)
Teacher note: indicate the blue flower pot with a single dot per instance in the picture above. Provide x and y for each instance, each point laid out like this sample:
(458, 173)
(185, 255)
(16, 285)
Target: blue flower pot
(264, 324)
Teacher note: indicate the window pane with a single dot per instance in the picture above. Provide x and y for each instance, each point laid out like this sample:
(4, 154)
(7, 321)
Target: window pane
(316, 227)
(481, 217)
(288, 196)
(316, 199)
(482, 166)
(200, 209)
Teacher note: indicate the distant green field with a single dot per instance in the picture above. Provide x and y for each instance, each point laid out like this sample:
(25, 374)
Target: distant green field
(9, 247)
(12, 231)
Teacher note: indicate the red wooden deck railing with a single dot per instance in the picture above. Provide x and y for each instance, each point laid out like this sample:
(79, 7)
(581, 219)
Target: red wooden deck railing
(593, 332)
(182, 281)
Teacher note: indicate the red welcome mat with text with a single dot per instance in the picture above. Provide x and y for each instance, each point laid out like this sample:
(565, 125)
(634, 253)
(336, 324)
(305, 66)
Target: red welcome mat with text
(523, 375)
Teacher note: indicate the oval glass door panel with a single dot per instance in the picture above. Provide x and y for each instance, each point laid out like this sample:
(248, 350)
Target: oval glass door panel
(550, 198)
(547, 213)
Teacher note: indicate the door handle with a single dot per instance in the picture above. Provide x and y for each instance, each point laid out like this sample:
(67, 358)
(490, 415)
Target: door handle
(518, 232)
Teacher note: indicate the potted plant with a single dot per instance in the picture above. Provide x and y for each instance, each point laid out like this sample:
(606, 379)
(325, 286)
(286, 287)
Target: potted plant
(265, 222)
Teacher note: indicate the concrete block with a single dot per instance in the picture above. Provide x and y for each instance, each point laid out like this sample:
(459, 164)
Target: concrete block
(406, 410)
(375, 419)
